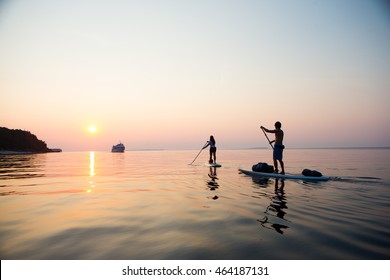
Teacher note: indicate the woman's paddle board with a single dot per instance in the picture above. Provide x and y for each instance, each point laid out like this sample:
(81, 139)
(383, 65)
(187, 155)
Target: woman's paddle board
(213, 164)
(283, 176)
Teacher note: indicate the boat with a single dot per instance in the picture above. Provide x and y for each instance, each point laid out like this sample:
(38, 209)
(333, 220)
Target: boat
(283, 176)
(119, 148)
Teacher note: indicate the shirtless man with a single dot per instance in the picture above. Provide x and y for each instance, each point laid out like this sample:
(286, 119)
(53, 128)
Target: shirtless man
(278, 149)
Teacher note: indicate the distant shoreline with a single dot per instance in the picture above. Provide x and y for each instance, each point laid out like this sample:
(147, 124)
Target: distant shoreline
(314, 148)
(342, 148)
(229, 149)
(29, 152)
(145, 150)
(318, 148)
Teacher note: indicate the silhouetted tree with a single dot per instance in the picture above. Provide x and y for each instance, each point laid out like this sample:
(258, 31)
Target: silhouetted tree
(20, 140)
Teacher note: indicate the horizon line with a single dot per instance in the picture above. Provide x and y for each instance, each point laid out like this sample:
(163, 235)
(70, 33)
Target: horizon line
(246, 148)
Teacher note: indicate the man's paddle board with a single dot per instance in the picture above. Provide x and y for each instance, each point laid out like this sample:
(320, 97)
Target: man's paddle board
(213, 164)
(283, 176)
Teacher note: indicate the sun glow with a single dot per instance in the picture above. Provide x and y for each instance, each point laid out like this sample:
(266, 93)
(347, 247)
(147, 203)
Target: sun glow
(92, 129)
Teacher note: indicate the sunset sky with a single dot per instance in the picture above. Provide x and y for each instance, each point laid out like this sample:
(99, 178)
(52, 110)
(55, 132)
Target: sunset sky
(168, 74)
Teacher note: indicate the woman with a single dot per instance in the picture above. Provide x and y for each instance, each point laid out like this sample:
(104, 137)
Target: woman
(213, 149)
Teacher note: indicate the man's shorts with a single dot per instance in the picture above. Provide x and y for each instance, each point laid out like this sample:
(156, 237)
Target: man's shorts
(278, 152)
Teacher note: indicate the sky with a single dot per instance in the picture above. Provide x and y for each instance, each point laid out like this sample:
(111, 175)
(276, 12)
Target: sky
(168, 74)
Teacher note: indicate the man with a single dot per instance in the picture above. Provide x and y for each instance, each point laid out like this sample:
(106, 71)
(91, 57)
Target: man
(278, 148)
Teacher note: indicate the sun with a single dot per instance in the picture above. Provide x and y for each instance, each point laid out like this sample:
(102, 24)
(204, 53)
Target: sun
(92, 129)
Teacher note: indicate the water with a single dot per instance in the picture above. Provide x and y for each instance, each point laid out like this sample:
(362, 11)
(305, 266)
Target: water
(153, 205)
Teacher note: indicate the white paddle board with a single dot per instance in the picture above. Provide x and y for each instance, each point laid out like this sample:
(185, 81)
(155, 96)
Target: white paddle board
(213, 164)
(283, 176)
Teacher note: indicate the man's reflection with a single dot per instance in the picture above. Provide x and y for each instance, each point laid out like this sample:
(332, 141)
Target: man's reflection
(276, 208)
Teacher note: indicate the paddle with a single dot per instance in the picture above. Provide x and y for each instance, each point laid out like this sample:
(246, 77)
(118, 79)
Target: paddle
(197, 155)
(267, 138)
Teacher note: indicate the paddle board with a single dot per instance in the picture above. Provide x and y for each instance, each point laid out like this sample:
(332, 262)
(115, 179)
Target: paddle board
(284, 176)
(213, 164)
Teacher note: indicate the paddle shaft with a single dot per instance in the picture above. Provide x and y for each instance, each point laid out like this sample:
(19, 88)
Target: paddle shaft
(197, 156)
(267, 138)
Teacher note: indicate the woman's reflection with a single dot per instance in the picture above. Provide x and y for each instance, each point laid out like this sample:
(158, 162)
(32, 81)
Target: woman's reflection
(212, 183)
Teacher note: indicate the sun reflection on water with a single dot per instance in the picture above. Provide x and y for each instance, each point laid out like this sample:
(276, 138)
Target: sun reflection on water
(91, 171)
(91, 164)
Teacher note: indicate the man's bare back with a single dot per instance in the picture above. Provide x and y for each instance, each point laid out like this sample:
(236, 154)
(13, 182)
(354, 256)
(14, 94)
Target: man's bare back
(279, 136)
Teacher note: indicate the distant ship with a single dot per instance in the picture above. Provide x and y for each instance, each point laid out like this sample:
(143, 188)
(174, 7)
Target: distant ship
(119, 148)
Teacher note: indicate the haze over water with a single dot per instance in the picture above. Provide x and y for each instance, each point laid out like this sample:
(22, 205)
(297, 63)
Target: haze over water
(153, 205)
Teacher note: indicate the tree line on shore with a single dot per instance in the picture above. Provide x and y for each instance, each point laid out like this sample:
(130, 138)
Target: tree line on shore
(20, 140)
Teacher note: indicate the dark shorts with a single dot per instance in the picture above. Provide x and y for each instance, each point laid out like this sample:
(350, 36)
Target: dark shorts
(213, 150)
(278, 152)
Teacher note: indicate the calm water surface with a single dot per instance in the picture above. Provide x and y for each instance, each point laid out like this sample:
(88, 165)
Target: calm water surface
(154, 205)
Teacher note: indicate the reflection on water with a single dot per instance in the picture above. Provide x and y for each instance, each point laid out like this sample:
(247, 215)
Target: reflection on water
(276, 208)
(212, 183)
(21, 166)
(153, 205)
(91, 171)
(91, 164)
